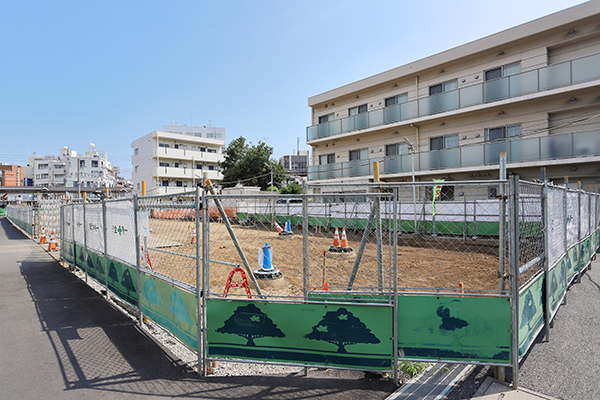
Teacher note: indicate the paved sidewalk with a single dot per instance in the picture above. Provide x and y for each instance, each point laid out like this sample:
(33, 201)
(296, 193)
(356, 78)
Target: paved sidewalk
(496, 390)
(60, 339)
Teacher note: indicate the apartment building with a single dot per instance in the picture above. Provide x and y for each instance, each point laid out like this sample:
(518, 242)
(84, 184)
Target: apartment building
(296, 163)
(12, 175)
(70, 169)
(174, 162)
(532, 91)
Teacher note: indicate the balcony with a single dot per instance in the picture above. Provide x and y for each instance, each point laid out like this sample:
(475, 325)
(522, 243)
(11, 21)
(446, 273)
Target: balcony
(184, 173)
(186, 154)
(550, 77)
(580, 144)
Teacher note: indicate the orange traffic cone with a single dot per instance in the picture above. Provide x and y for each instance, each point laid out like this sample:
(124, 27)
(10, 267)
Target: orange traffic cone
(325, 286)
(461, 287)
(43, 237)
(336, 238)
(193, 235)
(52, 244)
(279, 228)
(344, 242)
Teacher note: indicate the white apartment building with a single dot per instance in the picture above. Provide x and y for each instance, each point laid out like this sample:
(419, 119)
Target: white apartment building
(209, 132)
(532, 91)
(70, 169)
(174, 162)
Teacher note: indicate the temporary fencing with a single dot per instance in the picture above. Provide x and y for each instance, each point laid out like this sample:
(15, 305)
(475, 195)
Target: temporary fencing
(472, 276)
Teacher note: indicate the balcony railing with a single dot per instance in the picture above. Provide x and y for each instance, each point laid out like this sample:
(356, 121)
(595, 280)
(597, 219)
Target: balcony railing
(550, 77)
(578, 144)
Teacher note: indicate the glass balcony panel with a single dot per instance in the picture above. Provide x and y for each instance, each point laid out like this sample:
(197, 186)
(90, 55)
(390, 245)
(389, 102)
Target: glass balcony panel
(524, 150)
(524, 83)
(335, 127)
(493, 150)
(376, 117)
(392, 165)
(323, 129)
(495, 90)
(555, 75)
(392, 114)
(361, 121)
(586, 68)
(428, 105)
(556, 146)
(430, 159)
(472, 95)
(407, 162)
(448, 101)
(356, 168)
(449, 158)
(586, 143)
(348, 124)
(471, 155)
(409, 110)
(313, 173)
(312, 132)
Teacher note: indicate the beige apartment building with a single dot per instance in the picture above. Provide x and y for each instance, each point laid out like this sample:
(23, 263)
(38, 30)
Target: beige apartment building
(532, 91)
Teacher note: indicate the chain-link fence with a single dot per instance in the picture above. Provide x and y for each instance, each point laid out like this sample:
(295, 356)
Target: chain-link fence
(22, 216)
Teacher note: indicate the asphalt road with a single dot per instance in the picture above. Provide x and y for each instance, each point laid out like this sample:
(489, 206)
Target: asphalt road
(60, 339)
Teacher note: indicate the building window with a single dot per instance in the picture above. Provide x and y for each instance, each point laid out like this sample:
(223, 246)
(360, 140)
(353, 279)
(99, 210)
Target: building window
(502, 132)
(325, 118)
(396, 149)
(175, 146)
(327, 159)
(447, 193)
(211, 167)
(137, 169)
(443, 142)
(165, 183)
(357, 110)
(360, 154)
(176, 165)
(401, 98)
(505, 70)
(443, 87)
(163, 164)
(492, 192)
(136, 151)
(193, 148)
(81, 163)
(179, 183)
(42, 166)
(211, 151)
(138, 186)
(166, 146)
(198, 166)
(203, 149)
(210, 135)
(218, 136)
(94, 163)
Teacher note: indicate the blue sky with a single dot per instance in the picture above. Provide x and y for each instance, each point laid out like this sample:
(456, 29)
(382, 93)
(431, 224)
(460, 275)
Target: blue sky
(108, 72)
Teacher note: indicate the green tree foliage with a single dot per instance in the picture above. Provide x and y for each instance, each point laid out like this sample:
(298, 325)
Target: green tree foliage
(342, 328)
(292, 188)
(245, 162)
(250, 323)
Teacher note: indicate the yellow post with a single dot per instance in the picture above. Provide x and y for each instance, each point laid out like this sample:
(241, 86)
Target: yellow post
(376, 170)
(143, 188)
(107, 194)
(84, 196)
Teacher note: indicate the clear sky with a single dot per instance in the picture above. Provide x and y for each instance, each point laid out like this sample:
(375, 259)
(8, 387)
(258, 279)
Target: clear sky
(108, 72)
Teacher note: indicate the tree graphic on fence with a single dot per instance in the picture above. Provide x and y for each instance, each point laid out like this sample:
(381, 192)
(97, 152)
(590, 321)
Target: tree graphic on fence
(178, 308)
(342, 329)
(112, 273)
(250, 323)
(150, 293)
(127, 282)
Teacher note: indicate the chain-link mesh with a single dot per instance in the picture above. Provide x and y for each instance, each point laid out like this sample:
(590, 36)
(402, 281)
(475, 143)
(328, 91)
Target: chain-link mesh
(49, 216)
(67, 231)
(94, 227)
(585, 216)
(168, 237)
(78, 230)
(556, 226)
(22, 216)
(572, 218)
(531, 227)
(120, 240)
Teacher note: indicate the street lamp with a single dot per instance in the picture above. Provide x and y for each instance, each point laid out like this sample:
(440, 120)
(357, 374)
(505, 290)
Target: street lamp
(271, 168)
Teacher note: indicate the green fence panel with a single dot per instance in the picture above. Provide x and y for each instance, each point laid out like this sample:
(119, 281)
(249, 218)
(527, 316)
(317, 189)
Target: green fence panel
(558, 286)
(349, 336)
(572, 262)
(454, 328)
(122, 281)
(531, 314)
(171, 307)
(95, 266)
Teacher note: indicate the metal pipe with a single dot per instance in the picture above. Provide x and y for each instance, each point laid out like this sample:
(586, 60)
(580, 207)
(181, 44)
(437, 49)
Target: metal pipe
(137, 256)
(514, 278)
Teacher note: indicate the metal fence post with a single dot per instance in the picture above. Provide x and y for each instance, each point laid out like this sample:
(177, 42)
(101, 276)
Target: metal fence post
(205, 275)
(546, 238)
(105, 238)
(514, 276)
(305, 265)
(73, 235)
(395, 287)
(501, 224)
(566, 235)
(579, 247)
(85, 244)
(199, 286)
(137, 255)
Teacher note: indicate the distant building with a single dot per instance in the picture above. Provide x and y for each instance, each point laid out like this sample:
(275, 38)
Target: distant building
(12, 175)
(296, 164)
(530, 92)
(70, 169)
(174, 161)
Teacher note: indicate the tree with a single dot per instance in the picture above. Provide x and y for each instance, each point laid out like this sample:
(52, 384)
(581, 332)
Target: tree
(342, 328)
(292, 188)
(250, 323)
(112, 273)
(178, 308)
(127, 282)
(150, 293)
(247, 163)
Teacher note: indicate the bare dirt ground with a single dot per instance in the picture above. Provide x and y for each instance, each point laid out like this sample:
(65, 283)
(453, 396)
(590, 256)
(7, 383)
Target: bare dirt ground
(171, 253)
